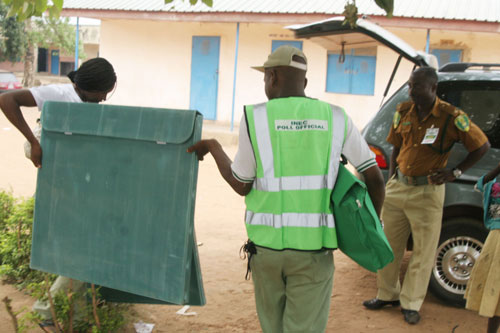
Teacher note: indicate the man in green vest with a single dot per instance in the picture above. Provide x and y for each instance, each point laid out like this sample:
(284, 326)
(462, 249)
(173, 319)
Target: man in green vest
(286, 166)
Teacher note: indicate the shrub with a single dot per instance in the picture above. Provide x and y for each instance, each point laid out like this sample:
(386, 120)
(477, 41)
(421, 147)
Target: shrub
(6, 207)
(15, 245)
(16, 227)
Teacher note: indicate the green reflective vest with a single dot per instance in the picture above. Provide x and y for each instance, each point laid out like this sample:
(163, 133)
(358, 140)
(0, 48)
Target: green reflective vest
(297, 143)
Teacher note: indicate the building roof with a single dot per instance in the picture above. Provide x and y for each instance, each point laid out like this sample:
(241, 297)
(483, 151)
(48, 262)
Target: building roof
(475, 10)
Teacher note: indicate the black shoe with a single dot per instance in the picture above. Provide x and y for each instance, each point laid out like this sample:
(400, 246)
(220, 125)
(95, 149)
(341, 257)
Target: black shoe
(411, 316)
(376, 304)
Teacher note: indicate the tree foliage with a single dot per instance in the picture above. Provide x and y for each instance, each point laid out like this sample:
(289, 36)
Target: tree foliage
(13, 41)
(56, 32)
(20, 38)
(351, 10)
(46, 31)
(386, 5)
(23, 9)
(15, 244)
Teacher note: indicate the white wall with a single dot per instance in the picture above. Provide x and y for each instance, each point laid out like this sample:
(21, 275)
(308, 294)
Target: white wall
(153, 63)
(152, 60)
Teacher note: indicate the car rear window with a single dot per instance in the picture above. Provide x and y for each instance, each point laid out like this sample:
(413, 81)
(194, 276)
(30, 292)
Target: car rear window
(480, 100)
(7, 77)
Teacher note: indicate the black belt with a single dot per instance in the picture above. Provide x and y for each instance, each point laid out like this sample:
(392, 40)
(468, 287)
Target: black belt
(412, 180)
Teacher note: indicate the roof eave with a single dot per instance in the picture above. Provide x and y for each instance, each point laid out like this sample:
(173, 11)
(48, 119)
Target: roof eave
(437, 24)
(223, 17)
(281, 18)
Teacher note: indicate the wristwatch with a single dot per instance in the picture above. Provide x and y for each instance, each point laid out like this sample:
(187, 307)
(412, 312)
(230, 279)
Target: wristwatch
(456, 172)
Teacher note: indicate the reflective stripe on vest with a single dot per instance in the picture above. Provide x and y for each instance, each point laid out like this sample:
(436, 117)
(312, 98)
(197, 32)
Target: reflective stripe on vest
(266, 184)
(291, 220)
(271, 184)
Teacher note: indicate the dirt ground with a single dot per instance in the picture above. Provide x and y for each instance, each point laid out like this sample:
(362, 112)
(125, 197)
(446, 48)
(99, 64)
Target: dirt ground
(230, 301)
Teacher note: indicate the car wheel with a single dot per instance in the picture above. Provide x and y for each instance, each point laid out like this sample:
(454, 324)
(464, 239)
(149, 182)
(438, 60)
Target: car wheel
(459, 247)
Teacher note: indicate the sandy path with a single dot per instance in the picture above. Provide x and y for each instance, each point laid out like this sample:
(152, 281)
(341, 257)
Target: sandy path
(230, 303)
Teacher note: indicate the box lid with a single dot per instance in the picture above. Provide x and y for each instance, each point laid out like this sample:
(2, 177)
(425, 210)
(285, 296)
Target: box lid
(116, 121)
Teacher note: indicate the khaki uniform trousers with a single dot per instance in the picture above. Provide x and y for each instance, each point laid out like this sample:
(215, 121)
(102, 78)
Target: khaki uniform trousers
(419, 210)
(292, 289)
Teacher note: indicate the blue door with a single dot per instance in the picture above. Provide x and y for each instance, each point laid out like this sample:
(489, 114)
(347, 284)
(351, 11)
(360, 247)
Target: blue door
(54, 62)
(205, 76)
(338, 77)
(356, 75)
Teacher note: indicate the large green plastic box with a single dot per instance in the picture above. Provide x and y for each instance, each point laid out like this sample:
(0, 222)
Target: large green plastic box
(115, 199)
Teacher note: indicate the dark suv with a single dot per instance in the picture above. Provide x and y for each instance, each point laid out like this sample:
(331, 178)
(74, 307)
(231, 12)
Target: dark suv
(475, 89)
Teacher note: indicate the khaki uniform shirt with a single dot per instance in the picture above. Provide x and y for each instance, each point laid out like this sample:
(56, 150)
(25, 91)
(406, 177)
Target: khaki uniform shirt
(407, 133)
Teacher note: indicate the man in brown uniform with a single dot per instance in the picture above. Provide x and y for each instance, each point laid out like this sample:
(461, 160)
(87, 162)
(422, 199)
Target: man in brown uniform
(423, 132)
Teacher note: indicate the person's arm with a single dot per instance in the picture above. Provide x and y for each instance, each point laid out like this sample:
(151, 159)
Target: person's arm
(358, 153)
(392, 163)
(492, 174)
(213, 147)
(446, 175)
(375, 185)
(10, 103)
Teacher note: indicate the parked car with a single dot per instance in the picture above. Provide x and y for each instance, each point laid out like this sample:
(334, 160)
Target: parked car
(8, 81)
(474, 88)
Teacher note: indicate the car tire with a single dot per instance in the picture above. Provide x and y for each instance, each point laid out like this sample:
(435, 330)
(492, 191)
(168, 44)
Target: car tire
(460, 244)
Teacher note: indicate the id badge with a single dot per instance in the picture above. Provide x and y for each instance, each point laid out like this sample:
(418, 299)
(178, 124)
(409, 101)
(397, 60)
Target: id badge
(430, 136)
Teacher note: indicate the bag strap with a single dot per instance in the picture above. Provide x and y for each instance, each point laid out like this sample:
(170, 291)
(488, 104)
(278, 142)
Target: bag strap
(343, 159)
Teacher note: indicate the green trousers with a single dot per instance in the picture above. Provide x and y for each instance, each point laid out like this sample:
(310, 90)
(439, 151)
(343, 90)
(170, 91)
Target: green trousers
(292, 289)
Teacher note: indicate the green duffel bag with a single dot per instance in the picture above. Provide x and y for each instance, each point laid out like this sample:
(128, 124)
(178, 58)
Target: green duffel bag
(359, 232)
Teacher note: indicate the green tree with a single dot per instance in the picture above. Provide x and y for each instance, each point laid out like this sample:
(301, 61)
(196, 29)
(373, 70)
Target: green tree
(48, 32)
(13, 42)
(23, 9)
(351, 10)
(20, 39)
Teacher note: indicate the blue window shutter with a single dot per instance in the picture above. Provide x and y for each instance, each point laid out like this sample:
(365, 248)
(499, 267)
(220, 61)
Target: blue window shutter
(355, 76)
(363, 75)
(456, 55)
(338, 74)
(278, 43)
(446, 56)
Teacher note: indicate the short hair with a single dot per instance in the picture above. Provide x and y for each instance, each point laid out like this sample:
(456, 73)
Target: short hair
(429, 73)
(96, 74)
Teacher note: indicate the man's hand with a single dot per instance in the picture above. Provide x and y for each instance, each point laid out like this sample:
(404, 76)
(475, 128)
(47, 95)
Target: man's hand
(441, 176)
(36, 153)
(201, 148)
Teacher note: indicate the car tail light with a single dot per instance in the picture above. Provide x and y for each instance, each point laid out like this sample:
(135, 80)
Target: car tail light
(17, 85)
(379, 157)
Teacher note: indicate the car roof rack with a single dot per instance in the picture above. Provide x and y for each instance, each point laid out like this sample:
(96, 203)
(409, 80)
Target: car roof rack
(463, 66)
